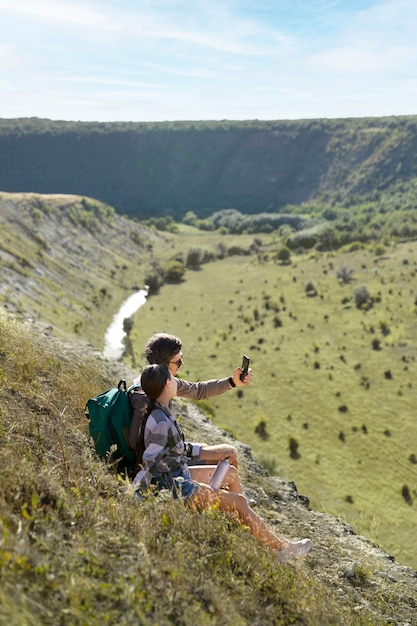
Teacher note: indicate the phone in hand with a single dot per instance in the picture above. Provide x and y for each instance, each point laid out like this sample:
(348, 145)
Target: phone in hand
(245, 367)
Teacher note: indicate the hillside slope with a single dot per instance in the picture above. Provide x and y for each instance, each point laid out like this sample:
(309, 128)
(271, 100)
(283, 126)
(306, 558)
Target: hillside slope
(77, 549)
(160, 168)
(70, 261)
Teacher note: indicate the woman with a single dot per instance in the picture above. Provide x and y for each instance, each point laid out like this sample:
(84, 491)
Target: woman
(164, 465)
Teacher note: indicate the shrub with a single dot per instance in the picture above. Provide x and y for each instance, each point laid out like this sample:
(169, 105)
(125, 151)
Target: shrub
(344, 274)
(154, 279)
(261, 430)
(284, 255)
(361, 296)
(310, 288)
(379, 250)
(194, 258)
(293, 446)
(405, 492)
(277, 321)
(376, 344)
(174, 271)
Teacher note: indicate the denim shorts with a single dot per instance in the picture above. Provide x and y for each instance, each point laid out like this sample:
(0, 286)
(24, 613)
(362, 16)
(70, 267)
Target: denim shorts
(180, 487)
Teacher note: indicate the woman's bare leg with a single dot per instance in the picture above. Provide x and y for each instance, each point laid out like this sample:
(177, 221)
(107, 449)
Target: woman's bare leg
(203, 474)
(235, 502)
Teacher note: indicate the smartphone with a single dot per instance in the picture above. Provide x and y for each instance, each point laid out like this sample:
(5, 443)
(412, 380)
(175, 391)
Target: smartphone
(245, 367)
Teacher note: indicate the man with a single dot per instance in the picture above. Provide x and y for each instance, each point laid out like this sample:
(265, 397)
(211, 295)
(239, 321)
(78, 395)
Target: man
(167, 349)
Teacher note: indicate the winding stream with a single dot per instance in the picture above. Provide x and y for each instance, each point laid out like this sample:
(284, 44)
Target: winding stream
(114, 336)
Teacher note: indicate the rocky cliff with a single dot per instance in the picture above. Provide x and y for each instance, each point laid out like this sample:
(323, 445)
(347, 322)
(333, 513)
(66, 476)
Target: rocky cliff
(171, 168)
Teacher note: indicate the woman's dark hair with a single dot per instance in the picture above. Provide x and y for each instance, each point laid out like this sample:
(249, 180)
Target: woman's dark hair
(160, 348)
(152, 380)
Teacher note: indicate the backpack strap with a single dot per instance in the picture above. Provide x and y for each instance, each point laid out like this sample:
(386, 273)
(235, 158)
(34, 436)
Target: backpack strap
(122, 384)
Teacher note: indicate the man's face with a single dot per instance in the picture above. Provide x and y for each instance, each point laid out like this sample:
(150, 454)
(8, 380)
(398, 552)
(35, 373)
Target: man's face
(175, 363)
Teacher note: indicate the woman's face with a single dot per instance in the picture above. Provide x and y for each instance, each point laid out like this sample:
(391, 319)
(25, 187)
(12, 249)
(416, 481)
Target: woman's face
(172, 386)
(175, 363)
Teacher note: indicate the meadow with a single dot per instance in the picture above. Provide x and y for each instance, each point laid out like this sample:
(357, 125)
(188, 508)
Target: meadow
(331, 405)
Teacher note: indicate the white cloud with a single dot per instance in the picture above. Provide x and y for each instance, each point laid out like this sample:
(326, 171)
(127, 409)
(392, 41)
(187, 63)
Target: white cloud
(235, 59)
(56, 11)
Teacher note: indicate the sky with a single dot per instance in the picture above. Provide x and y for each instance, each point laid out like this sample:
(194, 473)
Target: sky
(164, 60)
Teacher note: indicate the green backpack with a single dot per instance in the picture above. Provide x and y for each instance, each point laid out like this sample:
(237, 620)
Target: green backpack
(109, 414)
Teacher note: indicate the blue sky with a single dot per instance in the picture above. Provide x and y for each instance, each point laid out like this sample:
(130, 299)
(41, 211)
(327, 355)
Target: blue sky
(156, 60)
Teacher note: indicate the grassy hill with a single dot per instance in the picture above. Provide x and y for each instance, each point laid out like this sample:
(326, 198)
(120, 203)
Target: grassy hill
(171, 168)
(76, 548)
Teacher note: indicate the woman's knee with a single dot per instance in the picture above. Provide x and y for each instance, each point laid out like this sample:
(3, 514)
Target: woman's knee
(231, 500)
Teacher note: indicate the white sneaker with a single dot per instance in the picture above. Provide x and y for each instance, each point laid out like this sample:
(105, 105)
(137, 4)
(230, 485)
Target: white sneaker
(293, 550)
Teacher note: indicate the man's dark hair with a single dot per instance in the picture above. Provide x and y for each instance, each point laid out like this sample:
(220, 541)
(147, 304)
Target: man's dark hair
(160, 348)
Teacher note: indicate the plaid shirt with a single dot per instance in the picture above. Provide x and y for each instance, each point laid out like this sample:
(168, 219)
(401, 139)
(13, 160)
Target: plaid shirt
(195, 391)
(164, 449)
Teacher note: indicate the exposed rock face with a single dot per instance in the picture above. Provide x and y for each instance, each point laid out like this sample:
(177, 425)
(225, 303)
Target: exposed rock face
(253, 166)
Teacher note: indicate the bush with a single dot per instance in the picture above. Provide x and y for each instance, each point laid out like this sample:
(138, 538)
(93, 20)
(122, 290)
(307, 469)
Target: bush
(154, 279)
(344, 274)
(261, 430)
(284, 255)
(361, 296)
(310, 288)
(293, 445)
(194, 258)
(174, 271)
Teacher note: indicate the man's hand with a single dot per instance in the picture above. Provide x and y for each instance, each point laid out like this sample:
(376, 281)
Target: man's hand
(236, 377)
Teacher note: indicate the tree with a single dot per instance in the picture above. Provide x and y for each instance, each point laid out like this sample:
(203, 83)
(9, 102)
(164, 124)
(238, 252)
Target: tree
(284, 255)
(174, 271)
(194, 258)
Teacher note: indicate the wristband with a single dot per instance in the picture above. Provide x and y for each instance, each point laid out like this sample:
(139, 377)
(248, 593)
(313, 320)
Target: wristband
(232, 382)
